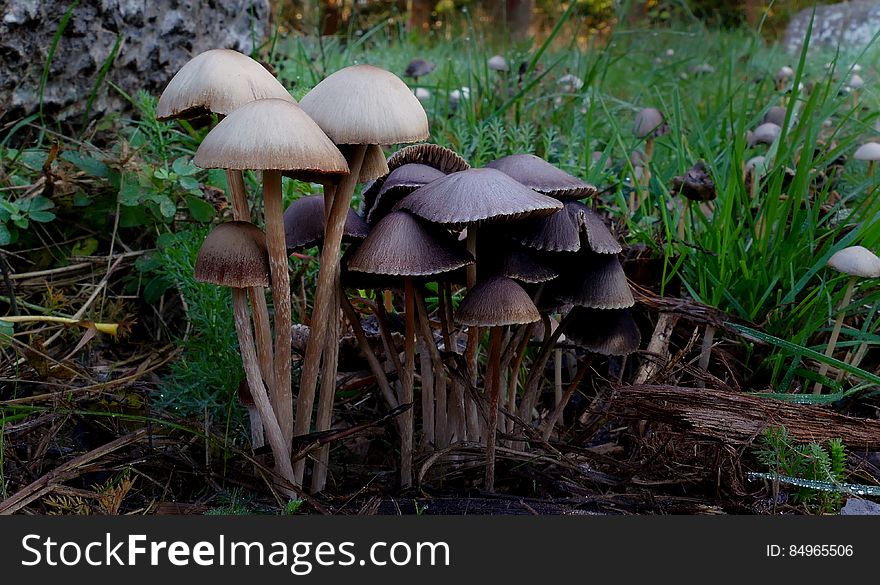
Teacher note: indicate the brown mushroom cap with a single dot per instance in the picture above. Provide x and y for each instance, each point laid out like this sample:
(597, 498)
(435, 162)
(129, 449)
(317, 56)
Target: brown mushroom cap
(219, 81)
(235, 255)
(649, 122)
(374, 165)
(398, 184)
(270, 134)
(558, 232)
(536, 173)
(474, 196)
(496, 302)
(592, 280)
(304, 223)
(696, 184)
(401, 245)
(363, 104)
(603, 332)
(595, 235)
(433, 155)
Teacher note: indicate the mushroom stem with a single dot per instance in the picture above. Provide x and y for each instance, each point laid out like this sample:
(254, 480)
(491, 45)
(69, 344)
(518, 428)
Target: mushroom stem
(706, 352)
(533, 382)
(372, 360)
(262, 330)
(258, 438)
(472, 347)
(406, 441)
(557, 375)
(835, 333)
(279, 268)
(388, 339)
(455, 412)
(569, 392)
(516, 365)
(426, 374)
(280, 448)
(321, 313)
(494, 387)
(326, 396)
(436, 402)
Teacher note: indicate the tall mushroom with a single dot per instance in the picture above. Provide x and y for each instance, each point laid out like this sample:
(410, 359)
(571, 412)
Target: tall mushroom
(235, 255)
(357, 107)
(274, 135)
(495, 303)
(401, 245)
(856, 262)
(220, 81)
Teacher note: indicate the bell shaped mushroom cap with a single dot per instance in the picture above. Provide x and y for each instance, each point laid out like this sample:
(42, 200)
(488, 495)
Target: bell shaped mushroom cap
(270, 134)
(398, 184)
(596, 281)
(498, 256)
(363, 104)
(433, 155)
(649, 121)
(374, 165)
(598, 238)
(766, 133)
(474, 196)
(868, 151)
(757, 165)
(558, 232)
(401, 245)
(419, 68)
(775, 115)
(696, 184)
(524, 267)
(495, 302)
(235, 255)
(784, 73)
(536, 173)
(856, 261)
(219, 81)
(855, 81)
(498, 63)
(603, 332)
(304, 223)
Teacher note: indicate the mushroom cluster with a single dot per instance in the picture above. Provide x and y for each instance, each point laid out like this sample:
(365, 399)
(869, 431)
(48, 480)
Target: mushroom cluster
(514, 241)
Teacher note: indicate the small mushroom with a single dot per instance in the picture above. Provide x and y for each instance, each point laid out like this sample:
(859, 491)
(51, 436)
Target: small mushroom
(766, 133)
(398, 184)
(775, 115)
(869, 151)
(419, 68)
(856, 262)
(498, 63)
(304, 224)
(538, 174)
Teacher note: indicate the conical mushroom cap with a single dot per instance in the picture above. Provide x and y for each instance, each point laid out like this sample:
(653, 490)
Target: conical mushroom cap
(558, 232)
(603, 332)
(649, 121)
(401, 245)
(270, 134)
(419, 68)
(596, 281)
(398, 184)
(433, 155)
(219, 81)
(495, 302)
(304, 223)
(595, 235)
(374, 165)
(868, 151)
(474, 196)
(856, 261)
(234, 254)
(524, 267)
(363, 104)
(536, 173)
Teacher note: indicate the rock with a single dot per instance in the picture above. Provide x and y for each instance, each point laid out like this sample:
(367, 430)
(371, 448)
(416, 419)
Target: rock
(157, 38)
(850, 24)
(859, 507)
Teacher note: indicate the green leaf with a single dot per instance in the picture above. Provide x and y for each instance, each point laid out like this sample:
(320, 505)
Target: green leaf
(154, 289)
(130, 193)
(183, 167)
(84, 247)
(199, 209)
(189, 184)
(166, 206)
(166, 239)
(40, 203)
(89, 165)
(21, 222)
(5, 235)
(41, 216)
(81, 199)
(135, 216)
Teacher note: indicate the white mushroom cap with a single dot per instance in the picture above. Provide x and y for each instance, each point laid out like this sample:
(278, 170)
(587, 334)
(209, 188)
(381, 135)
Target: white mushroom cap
(785, 73)
(856, 261)
(648, 120)
(855, 82)
(363, 104)
(868, 151)
(764, 134)
(422, 94)
(498, 63)
(219, 81)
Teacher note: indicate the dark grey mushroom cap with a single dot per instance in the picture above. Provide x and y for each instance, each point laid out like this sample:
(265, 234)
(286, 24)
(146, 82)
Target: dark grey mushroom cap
(419, 68)
(398, 184)
(696, 184)
(558, 232)
(433, 155)
(495, 302)
(603, 332)
(596, 281)
(595, 235)
(304, 223)
(235, 255)
(536, 173)
(474, 196)
(402, 245)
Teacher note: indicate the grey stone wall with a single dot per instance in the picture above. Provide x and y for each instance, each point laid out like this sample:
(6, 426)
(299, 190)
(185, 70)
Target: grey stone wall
(852, 24)
(158, 37)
